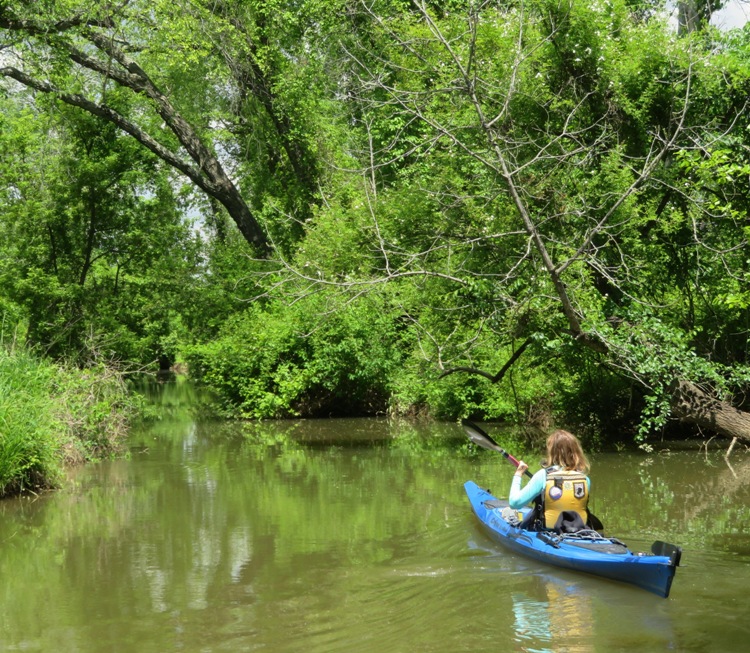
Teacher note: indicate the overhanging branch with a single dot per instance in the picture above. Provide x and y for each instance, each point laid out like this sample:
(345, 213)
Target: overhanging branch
(493, 378)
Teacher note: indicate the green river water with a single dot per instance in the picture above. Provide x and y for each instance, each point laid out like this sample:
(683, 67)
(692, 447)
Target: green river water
(354, 536)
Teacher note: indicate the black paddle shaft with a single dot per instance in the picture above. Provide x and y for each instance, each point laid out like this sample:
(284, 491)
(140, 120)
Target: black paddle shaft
(480, 437)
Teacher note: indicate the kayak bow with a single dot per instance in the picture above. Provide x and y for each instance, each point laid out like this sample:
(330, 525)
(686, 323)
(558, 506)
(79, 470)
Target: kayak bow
(587, 551)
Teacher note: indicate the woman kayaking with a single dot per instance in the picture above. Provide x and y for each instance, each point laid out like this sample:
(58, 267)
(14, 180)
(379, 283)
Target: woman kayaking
(560, 489)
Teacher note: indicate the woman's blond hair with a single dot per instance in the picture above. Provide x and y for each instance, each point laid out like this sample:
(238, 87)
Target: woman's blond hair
(564, 450)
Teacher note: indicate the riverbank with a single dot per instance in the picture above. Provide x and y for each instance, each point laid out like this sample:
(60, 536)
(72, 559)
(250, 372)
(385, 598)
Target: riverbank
(52, 416)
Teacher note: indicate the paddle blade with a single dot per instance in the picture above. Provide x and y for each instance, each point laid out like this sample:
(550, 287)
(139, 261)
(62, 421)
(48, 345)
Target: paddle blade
(479, 437)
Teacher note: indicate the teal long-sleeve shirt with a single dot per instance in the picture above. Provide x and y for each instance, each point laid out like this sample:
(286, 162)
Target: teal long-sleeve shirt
(519, 497)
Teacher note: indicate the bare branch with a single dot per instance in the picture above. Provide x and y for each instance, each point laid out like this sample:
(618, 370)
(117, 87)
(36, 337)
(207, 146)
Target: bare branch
(494, 378)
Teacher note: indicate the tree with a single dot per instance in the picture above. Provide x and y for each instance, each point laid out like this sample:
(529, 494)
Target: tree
(693, 15)
(95, 249)
(546, 141)
(196, 71)
(542, 179)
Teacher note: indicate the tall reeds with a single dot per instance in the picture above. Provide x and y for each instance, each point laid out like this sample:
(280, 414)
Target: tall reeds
(52, 415)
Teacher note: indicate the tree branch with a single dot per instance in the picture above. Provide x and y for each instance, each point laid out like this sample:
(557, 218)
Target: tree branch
(209, 175)
(494, 378)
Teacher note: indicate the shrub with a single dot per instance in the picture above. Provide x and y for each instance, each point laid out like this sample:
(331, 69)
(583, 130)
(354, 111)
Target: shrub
(51, 415)
(308, 359)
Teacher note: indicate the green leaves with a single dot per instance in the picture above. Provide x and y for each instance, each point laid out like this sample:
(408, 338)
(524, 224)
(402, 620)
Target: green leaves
(51, 415)
(474, 175)
(94, 245)
(316, 358)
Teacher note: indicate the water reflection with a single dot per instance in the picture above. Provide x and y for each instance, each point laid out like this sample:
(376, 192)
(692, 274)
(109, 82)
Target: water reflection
(553, 617)
(349, 535)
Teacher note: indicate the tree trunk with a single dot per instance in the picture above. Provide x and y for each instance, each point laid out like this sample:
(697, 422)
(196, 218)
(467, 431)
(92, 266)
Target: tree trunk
(693, 406)
(688, 17)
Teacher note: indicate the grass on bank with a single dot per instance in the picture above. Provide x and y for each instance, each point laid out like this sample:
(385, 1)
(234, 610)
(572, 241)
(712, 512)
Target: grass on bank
(52, 415)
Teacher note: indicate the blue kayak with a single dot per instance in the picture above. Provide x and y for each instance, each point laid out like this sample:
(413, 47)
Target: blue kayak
(586, 551)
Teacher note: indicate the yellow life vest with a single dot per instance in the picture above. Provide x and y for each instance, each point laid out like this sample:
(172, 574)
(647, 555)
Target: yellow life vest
(565, 490)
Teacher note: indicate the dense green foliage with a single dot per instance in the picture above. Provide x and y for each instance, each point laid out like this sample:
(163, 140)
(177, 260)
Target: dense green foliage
(527, 211)
(89, 222)
(51, 415)
(311, 359)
